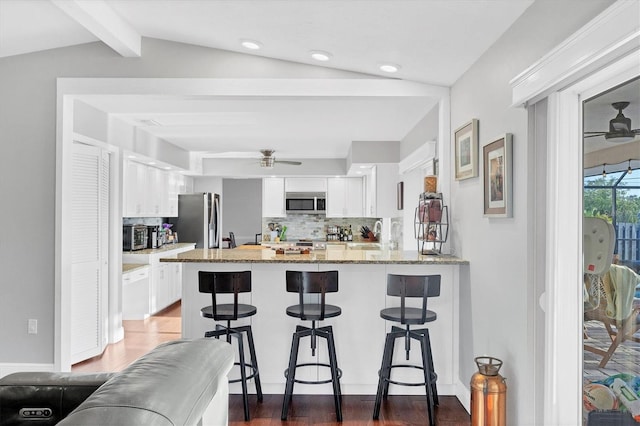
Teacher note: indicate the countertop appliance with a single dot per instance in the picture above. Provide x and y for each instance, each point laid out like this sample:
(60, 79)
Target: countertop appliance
(199, 219)
(134, 237)
(305, 202)
(154, 237)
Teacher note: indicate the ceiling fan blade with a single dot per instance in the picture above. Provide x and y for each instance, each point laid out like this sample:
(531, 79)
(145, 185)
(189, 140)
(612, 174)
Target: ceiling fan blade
(594, 135)
(293, 163)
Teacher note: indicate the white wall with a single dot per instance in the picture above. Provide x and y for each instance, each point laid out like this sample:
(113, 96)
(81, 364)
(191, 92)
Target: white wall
(497, 296)
(27, 163)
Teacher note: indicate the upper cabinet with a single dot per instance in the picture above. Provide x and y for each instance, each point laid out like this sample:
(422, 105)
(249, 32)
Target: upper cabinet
(381, 191)
(152, 192)
(273, 197)
(345, 197)
(135, 184)
(305, 185)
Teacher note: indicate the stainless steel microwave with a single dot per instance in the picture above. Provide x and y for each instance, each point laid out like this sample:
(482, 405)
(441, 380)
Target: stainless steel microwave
(134, 237)
(306, 202)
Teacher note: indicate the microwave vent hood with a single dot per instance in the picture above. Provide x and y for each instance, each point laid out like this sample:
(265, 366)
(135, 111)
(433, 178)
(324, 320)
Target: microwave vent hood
(305, 195)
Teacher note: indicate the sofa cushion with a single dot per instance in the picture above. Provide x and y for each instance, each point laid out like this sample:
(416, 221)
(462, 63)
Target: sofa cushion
(171, 385)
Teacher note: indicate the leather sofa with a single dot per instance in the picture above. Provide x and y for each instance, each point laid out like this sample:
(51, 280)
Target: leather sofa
(183, 382)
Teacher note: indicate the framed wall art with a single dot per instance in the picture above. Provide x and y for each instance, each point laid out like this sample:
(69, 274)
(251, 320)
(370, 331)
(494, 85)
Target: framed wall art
(498, 177)
(466, 150)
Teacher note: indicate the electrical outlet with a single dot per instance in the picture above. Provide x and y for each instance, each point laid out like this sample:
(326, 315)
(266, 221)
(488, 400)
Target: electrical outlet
(33, 326)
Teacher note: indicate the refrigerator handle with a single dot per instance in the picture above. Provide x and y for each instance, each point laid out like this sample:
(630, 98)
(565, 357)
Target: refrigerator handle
(214, 219)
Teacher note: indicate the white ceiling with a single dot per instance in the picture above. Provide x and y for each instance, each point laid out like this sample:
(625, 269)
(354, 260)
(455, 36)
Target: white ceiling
(433, 42)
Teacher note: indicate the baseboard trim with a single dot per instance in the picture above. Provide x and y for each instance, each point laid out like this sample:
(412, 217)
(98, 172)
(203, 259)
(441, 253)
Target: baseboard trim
(9, 368)
(464, 396)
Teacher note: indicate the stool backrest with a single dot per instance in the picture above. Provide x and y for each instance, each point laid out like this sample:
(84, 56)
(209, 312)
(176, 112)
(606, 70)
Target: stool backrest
(312, 282)
(224, 283)
(404, 286)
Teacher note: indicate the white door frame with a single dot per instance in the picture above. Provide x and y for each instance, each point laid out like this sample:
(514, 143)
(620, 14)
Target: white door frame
(71, 89)
(65, 138)
(602, 54)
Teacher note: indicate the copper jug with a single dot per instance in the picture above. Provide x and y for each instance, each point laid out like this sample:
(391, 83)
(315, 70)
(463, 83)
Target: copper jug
(488, 394)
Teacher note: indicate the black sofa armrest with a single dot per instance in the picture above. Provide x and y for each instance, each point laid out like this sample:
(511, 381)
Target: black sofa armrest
(44, 398)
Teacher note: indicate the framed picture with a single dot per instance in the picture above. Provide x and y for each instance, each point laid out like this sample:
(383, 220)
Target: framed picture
(498, 177)
(466, 150)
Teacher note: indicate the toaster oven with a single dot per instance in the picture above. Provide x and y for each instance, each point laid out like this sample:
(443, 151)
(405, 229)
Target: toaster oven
(134, 237)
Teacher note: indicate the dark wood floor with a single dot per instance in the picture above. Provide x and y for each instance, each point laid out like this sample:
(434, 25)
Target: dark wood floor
(142, 336)
(356, 410)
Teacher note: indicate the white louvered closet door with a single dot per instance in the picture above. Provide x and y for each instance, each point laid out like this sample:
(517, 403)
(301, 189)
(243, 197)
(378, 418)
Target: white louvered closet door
(89, 264)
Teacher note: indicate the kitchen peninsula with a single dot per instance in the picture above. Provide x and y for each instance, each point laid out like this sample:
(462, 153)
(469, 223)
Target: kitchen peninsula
(359, 331)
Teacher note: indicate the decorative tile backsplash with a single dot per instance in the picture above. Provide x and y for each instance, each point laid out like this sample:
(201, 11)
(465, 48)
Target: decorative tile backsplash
(149, 221)
(314, 226)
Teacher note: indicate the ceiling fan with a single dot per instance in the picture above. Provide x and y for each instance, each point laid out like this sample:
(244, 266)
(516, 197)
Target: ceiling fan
(268, 160)
(619, 127)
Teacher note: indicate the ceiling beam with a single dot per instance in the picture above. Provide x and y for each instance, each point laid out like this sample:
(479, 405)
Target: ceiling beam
(103, 22)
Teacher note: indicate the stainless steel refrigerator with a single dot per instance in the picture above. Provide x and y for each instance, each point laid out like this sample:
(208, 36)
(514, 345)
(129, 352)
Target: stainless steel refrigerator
(198, 219)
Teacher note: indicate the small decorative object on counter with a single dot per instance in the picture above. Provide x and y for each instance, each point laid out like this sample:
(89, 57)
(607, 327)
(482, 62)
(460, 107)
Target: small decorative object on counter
(488, 394)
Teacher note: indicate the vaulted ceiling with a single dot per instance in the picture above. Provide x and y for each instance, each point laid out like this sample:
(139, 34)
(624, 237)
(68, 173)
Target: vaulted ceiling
(432, 42)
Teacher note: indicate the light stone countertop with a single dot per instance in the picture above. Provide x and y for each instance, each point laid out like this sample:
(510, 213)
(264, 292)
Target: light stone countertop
(164, 248)
(315, 256)
(129, 267)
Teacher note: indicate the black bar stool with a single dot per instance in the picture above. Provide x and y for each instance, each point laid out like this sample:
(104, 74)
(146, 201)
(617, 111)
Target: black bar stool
(305, 283)
(227, 283)
(403, 286)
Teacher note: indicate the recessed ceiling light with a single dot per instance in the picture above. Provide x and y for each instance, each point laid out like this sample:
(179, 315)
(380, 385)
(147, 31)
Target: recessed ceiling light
(151, 163)
(132, 157)
(321, 56)
(251, 44)
(389, 68)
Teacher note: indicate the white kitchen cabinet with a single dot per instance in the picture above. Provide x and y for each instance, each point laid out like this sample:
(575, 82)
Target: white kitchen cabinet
(370, 202)
(173, 189)
(135, 294)
(305, 185)
(151, 192)
(156, 189)
(273, 197)
(135, 184)
(165, 279)
(345, 197)
(175, 280)
(185, 184)
(381, 191)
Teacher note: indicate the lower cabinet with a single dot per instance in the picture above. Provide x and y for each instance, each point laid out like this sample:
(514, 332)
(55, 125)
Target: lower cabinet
(142, 297)
(135, 294)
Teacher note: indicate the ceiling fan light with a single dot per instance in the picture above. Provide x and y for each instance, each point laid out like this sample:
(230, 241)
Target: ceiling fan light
(620, 124)
(267, 162)
(620, 136)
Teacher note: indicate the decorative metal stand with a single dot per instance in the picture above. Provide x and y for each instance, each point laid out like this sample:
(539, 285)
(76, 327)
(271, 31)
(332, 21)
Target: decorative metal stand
(431, 225)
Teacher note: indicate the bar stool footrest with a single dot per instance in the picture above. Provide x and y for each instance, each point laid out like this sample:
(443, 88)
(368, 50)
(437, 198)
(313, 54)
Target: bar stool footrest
(434, 376)
(313, 382)
(254, 372)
